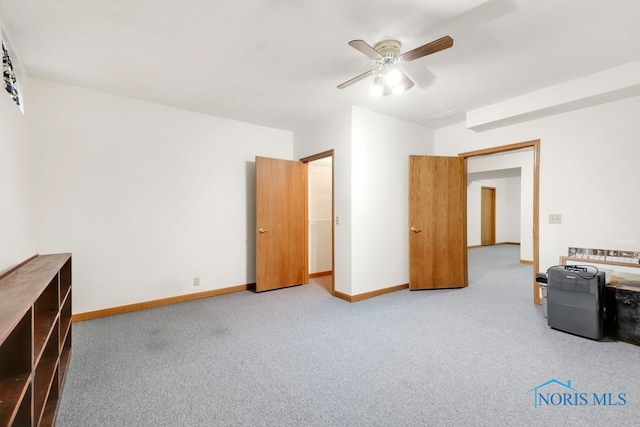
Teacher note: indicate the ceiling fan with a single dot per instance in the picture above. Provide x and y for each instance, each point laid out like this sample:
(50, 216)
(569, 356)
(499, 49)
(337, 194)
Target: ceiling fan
(386, 54)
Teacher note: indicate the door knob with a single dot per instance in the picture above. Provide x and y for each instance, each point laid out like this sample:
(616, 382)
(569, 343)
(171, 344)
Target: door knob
(416, 230)
(262, 230)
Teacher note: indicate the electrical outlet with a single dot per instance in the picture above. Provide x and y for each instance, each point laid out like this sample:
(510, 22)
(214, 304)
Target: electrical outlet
(555, 219)
(337, 220)
(196, 281)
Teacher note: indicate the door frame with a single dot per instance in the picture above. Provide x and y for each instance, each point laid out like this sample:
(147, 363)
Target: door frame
(322, 155)
(492, 216)
(535, 144)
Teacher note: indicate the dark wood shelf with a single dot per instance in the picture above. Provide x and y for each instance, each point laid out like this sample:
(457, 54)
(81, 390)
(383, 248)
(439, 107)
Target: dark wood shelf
(65, 357)
(11, 390)
(35, 339)
(65, 280)
(43, 382)
(23, 416)
(49, 415)
(65, 319)
(44, 373)
(15, 368)
(51, 406)
(42, 334)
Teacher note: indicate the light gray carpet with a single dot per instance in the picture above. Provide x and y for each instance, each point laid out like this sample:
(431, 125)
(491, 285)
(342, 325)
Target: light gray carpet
(299, 357)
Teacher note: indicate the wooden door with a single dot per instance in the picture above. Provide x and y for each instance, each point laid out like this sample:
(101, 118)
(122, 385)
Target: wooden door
(437, 220)
(488, 216)
(281, 224)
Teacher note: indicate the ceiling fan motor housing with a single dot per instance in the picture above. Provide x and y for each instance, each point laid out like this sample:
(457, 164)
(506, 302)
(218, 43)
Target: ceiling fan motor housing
(389, 49)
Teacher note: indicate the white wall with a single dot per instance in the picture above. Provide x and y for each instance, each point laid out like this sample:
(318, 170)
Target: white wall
(147, 197)
(507, 210)
(588, 169)
(17, 237)
(334, 133)
(381, 147)
(320, 195)
(371, 172)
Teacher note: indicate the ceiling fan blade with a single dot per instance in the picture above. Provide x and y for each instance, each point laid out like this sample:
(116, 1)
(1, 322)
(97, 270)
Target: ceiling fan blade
(363, 47)
(355, 79)
(407, 83)
(429, 48)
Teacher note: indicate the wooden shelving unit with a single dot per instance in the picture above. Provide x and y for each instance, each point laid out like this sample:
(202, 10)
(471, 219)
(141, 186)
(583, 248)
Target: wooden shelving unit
(35, 339)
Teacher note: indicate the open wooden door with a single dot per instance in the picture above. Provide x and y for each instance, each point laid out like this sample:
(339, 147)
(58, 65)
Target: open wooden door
(281, 224)
(487, 216)
(438, 222)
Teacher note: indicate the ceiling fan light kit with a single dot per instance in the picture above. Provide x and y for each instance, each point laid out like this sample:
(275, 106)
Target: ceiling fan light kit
(389, 79)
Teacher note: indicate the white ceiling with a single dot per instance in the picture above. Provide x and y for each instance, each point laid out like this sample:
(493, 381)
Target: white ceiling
(277, 62)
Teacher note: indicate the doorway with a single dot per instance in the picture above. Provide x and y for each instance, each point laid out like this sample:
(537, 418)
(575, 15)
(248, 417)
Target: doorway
(488, 216)
(533, 145)
(320, 220)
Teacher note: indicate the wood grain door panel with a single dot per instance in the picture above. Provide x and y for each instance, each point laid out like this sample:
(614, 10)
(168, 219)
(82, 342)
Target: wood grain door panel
(437, 220)
(488, 216)
(281, 223)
